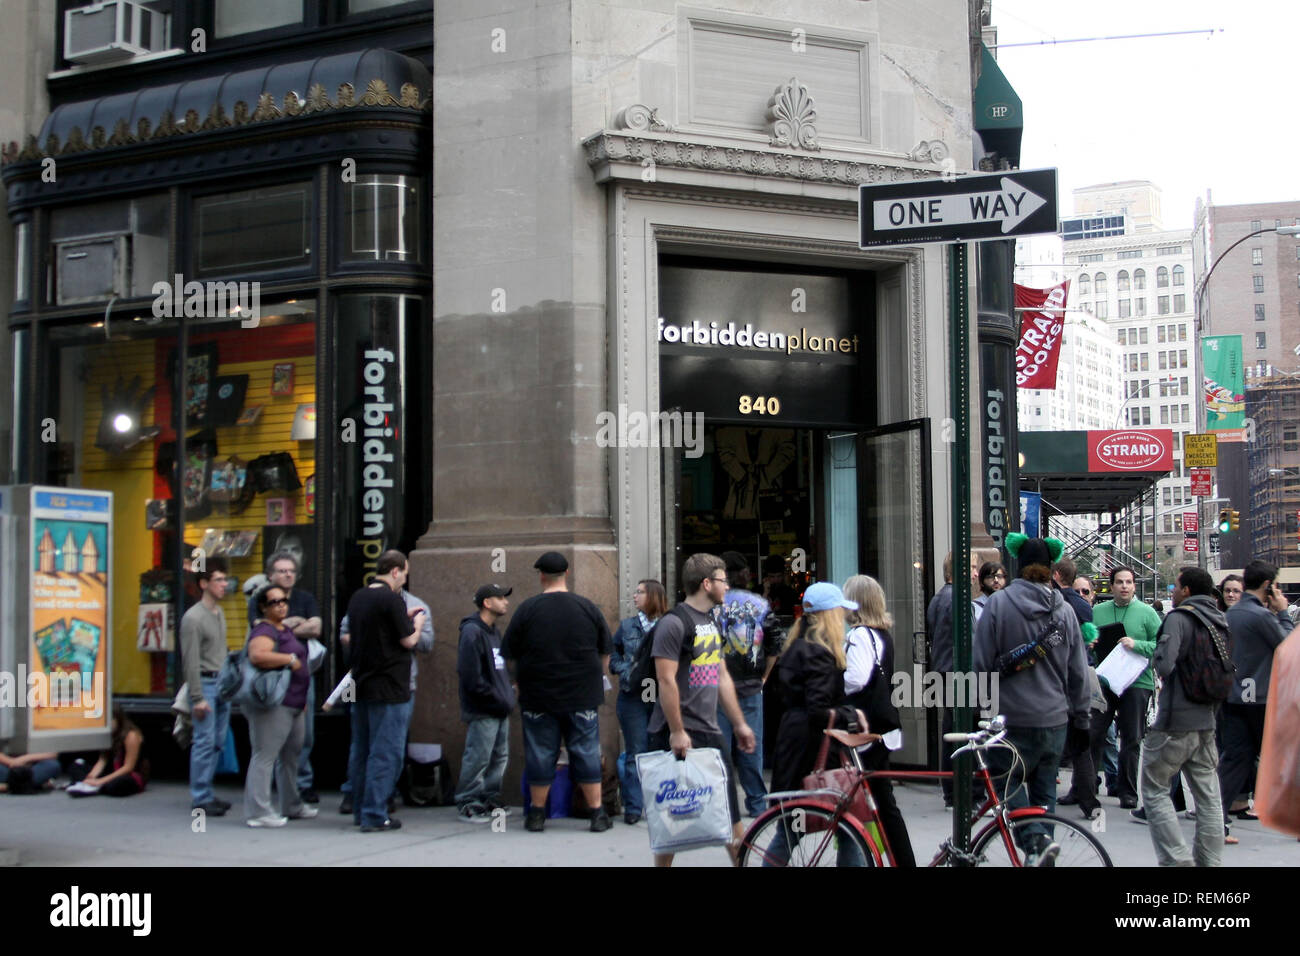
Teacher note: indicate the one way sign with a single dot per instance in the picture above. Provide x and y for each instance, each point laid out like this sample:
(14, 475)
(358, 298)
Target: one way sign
(968, 209)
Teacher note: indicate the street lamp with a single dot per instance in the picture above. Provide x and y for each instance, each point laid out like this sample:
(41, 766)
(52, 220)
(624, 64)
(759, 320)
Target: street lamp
(1164, 380)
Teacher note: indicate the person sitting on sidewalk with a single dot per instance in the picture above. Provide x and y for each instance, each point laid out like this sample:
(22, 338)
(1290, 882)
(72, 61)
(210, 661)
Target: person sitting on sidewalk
(125, 755)
(28, 772)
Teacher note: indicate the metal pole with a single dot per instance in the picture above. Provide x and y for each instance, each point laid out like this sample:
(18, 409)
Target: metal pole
(959, 401)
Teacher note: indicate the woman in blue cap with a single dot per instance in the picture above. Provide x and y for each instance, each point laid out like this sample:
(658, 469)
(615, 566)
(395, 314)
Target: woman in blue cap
(812, 678)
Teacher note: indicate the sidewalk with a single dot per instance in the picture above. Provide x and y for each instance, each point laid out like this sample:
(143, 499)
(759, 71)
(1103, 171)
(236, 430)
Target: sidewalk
(154, 829)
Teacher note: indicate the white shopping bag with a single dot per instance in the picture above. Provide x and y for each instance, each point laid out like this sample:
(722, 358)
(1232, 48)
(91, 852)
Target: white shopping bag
(685, 800)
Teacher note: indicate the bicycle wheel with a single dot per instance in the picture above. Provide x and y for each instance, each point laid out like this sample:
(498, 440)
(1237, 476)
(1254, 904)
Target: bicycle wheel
(802, 835)
(1079, 847)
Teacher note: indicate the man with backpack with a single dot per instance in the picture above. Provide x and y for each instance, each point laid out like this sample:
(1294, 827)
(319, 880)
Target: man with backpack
(1194, 661)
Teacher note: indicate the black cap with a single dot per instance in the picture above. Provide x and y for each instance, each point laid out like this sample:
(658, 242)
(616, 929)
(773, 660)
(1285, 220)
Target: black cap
(552, 562)
(490, 590)
(1035, 551)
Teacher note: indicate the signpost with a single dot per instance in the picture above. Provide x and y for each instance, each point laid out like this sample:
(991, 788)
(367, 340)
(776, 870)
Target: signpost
(968, 209)
(1201, 451)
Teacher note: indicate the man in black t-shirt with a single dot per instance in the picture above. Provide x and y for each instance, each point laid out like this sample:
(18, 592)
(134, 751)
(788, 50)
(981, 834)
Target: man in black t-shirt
(560, 646)
(382, 637)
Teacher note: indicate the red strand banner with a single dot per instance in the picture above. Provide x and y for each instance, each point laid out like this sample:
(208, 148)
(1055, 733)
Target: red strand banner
(1042, 323)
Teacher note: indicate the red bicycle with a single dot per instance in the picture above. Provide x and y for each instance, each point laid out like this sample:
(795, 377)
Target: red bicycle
(832, 827)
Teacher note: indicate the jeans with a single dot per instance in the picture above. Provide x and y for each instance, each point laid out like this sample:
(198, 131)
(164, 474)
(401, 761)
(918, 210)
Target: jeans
(749, 767)
(305, 776)
(1164, 756)
(542, 732)
(1242, 726)
(207, 742)
(276, 735)
(43, 771)
(1040, 749)
(633, 716)
(375, 760)
(487, 747)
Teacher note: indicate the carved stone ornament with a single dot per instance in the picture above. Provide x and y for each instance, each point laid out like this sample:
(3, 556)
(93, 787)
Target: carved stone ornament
(790, 115)
(930, 151)
(640, 117)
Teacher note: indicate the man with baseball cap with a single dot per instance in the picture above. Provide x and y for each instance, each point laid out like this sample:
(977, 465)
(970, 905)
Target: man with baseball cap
(486, 699)
(560, 644)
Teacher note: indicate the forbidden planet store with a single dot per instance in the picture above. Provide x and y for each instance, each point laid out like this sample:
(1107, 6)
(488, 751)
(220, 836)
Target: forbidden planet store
(222, 330)
(795, 380)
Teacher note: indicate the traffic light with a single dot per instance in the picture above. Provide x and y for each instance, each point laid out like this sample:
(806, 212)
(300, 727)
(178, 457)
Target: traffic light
(1234, 518)
(1225, 520)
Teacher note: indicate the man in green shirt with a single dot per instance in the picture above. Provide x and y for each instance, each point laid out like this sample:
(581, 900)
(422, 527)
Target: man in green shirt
(1141, 624)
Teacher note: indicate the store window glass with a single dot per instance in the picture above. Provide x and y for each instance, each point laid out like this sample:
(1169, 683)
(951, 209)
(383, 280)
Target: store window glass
(384, 218)
(365, 6)
(244, 487)
(253, 230)
(234, 17)
(22, 262)
(116, 248)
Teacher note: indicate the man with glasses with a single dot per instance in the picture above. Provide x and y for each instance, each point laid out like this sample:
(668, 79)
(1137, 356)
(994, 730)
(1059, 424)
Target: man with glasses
(203, 652)
(560, 644)
(282, 570)
(693, 682)
(1083, 588)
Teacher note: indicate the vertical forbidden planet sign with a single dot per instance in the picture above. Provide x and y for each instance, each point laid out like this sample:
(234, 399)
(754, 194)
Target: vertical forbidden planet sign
(1042, 323)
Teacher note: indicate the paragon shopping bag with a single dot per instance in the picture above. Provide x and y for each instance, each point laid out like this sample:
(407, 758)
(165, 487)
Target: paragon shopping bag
(685, 800)
(1277, 783)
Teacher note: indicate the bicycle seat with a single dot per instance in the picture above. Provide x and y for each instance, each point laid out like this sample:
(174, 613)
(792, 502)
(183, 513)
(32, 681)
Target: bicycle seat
(852, 740)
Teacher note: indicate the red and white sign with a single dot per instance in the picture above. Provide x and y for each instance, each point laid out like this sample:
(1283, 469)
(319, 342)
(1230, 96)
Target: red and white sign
(1202, 482)
(1191, 545)
(1041, 327)
(1131, 449)
(1191, 522)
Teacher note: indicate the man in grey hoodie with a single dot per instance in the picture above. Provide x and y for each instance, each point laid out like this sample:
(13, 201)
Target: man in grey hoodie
(1182, 738)
(1029, 637)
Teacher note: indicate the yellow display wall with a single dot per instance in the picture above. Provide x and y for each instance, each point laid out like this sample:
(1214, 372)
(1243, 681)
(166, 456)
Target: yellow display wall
(132, 478)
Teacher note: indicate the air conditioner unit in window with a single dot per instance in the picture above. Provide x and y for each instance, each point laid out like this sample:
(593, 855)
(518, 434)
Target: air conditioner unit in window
(111, 32)
(92, 269)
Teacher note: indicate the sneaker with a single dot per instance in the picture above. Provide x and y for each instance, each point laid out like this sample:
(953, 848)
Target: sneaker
(275, 820)
(212, 808)
(600, 821)
(474, 813)
(631, 818)
(1139, 815)
(389, 824)
(535, 821)
(308, 796)
(493, 807)
(1189, 814)
(1047, 857)
(345, 806)
(223, 804)
(306, 813)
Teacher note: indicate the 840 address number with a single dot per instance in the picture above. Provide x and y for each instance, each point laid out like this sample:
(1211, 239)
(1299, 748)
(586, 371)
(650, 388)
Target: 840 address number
(759, 405)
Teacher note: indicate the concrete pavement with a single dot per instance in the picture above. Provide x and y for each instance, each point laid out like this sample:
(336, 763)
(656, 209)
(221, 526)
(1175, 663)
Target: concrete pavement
(155, 829)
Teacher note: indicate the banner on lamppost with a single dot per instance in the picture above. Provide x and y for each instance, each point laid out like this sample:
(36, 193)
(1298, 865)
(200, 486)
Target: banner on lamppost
(1225, 383)
(1042, 325)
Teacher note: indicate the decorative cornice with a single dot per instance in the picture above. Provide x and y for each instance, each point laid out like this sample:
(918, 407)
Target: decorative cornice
(609, 149)
(790, 115)
(266, 110)
(639, 117)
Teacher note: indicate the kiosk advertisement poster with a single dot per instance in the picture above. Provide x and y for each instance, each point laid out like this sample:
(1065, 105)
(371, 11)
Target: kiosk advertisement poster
(68, 661)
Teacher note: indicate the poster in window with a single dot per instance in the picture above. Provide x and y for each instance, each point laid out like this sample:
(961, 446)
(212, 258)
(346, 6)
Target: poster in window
(282, 379)
(297, 539)
(200, 375)
(154, 629)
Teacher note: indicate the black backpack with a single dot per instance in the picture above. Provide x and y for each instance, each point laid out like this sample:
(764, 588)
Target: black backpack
(1204, 666)
(643, 665)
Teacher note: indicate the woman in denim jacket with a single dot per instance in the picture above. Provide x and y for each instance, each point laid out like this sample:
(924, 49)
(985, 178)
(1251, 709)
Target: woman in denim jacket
(651, 602)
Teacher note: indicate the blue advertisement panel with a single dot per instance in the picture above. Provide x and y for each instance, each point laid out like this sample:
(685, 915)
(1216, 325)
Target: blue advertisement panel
(1031, 509)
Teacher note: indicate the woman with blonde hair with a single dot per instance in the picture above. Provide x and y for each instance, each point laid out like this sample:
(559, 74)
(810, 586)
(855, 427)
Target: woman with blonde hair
(868, 683)
(812, 678)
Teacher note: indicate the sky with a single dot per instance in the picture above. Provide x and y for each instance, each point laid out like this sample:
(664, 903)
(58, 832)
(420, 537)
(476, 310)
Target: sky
(1215, 111)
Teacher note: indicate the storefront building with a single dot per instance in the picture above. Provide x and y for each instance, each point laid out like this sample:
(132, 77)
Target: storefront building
(489, 269)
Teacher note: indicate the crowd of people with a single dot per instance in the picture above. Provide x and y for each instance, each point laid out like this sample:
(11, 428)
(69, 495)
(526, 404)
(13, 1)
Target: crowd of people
(696, 675)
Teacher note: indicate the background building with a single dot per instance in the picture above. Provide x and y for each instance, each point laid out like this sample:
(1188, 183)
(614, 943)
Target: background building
(1254, 292)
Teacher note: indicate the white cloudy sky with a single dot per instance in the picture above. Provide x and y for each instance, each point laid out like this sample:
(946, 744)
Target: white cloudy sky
(1190, 113)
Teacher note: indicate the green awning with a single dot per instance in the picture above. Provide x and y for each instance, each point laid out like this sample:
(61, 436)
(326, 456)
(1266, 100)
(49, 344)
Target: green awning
(997, 107)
